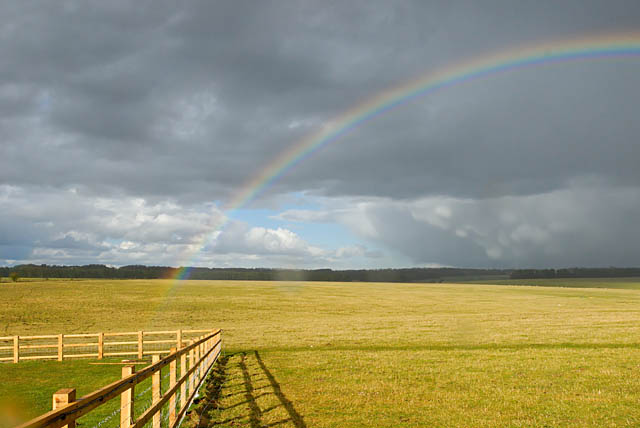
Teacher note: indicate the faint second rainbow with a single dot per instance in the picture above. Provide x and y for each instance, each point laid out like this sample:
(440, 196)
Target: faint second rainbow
(593, 47)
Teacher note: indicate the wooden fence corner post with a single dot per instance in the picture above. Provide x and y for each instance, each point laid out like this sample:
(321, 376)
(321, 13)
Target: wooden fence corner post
(100, 345)
(126, 399)
(179, 338)
(156, 391)
(64, 397)
(16, 349)
(60, 347)
(140, 344)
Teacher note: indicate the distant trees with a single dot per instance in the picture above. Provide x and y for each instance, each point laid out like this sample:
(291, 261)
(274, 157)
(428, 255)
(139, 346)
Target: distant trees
(14, 276)
(610, 272)
(265, 274)
(255, 274)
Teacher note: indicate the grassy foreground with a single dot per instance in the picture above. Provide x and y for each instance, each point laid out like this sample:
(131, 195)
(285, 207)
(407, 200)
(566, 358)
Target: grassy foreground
(359, 354)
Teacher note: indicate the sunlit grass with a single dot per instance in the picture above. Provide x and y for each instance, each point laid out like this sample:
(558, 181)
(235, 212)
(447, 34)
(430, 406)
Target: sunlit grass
(362, 354)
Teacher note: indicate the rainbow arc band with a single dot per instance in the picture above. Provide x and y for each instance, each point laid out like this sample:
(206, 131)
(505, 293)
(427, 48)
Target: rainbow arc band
(590, 48)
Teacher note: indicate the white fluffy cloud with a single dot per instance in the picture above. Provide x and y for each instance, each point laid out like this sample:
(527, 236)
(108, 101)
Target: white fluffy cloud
(70, 227)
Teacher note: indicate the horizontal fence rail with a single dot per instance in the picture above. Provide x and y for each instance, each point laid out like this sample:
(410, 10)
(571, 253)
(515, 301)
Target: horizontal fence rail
(168, 403)
(93, 345)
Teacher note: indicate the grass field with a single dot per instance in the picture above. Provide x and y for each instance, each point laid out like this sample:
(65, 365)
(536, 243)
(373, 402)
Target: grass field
(624, 283)
(359, 354)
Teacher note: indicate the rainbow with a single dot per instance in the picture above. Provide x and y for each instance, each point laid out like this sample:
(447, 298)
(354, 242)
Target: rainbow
(600, 47)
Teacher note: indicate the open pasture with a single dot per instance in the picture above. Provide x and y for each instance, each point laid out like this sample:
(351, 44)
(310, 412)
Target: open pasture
(624, 283)
(303, 354)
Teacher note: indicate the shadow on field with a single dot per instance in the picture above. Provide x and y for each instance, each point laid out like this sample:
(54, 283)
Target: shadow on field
(240, 391)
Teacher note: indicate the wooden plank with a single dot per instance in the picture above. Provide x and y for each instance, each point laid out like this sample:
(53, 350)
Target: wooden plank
(197, 350)
(183, 387)
(172, 384)
(140, 343)
(61, 349)
(149, 342)
(127, 399)
(119, 354)
(172, 341)
(133, 333)
(16, 349)
(38, 346)
(120, 343)
(81, 356)
(82, 335)
(80, 345)
(119, 364)
(192, 363)
(47, 336)
(40, 357)
(156, 392)
(100, 345)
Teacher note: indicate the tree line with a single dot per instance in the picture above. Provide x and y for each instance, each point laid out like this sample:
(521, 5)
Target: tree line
(610, 272)
(257, 274)
(268, 274)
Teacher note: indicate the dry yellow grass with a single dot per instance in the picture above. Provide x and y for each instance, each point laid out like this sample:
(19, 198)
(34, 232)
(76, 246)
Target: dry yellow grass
(358, 354)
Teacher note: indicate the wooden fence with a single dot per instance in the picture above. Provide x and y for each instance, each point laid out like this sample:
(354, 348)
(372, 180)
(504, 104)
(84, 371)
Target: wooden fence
(92, 345)
(193, 360)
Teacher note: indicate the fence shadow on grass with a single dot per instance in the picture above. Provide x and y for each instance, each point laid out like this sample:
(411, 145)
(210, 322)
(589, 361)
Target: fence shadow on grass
(242, 391)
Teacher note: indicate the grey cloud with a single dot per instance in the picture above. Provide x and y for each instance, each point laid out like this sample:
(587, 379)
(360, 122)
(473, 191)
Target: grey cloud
(585, 224)
(103, 80)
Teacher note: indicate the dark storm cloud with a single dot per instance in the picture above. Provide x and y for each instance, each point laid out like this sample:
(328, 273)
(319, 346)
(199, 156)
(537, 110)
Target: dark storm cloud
(184, 104)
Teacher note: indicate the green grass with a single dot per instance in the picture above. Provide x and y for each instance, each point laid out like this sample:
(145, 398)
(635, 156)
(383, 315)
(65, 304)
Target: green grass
(360, 354)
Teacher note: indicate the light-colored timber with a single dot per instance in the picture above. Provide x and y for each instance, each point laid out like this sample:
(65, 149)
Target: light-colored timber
(61, 346)
(124, 388)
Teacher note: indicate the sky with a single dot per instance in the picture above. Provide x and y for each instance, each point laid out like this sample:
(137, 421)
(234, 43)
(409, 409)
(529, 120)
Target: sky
(128, 128)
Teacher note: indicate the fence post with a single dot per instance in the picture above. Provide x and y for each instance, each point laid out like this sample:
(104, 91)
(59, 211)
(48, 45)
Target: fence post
(197, 362)
(16, 349)
(140, 343)
(62, 398)
(192, 362)
(183, 387)
(156, 391)
(172, 383)
(126, 399)
(179, 339)
(60, 347)
(203, 349)
(100, 345)
(207, 349)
